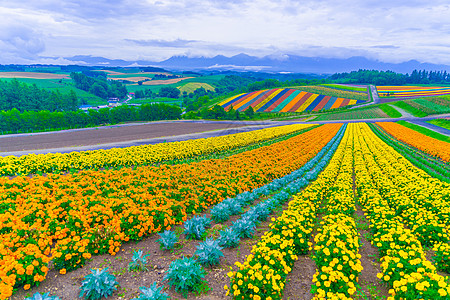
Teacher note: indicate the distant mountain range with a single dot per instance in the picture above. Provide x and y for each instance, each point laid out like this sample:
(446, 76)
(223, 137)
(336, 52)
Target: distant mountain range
(244, 62)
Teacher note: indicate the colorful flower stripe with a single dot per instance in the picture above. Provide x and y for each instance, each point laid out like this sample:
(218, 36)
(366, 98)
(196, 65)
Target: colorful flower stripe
(420, 141)
(93, 212)
(336, 246)
(262, 276)
(404, 265)
(285, 100)
(411, 91)
(432, 165)
(135, 156)
(421, 201)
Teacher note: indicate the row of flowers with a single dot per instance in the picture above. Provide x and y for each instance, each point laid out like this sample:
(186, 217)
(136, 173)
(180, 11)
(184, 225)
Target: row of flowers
(432, 165)
(263, 273)
(420, 141)
(336, 245)
(137, 155)
(94, 212)
(422, 201)
(404, 266)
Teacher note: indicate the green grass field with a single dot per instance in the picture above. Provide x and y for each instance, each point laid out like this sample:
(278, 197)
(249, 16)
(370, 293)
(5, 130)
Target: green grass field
(356, 114)
(425, 131)
(190, 87)
(390, 111)
(210, 80)
(444, 123)
(345, 87)
(64, 86)
(411, 109)
(156, 100)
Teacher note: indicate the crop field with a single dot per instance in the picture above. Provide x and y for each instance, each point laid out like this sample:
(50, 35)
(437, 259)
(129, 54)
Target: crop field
(302, 211)
(190, 87)
(285, 100)
(339, 91)
(349, 87)
(357, 114)
(412, 91)
(33, 75)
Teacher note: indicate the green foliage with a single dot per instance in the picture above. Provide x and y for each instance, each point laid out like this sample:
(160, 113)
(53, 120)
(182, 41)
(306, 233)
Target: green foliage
(138, 261)
(167, 239)
(23, 97)
(45, 296)
(32, 121)
(98, 85)
(196, 227)
(390, 111)
(392, 78)
(244, 228)
(152, 293)
(169, 91)
(229, 238)
(352, 114)
(209, 252)
(98, 284)
(444, 123)
(412, 110)
(186, 275)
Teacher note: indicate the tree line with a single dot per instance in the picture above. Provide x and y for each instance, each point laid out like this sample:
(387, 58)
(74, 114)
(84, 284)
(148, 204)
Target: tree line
(24, 97)
(392, 78)
(98, 85)
(30, 121)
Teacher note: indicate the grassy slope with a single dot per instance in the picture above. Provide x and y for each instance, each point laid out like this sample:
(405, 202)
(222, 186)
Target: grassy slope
(412, 110)
(444, 123)
(190, 87)
(425, 131)
(344, 87)
(390, 111)
(65, 86)
(211, 80)
(369, 112)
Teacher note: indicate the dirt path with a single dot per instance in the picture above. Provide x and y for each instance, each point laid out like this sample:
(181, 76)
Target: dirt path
(110, 137)
(404, 113)
(433, 127)
(66, 287)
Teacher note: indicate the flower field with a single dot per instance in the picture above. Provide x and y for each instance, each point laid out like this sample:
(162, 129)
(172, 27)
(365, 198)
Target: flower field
(412, 91)
(312, 186)
(135, 156)
(286, 100)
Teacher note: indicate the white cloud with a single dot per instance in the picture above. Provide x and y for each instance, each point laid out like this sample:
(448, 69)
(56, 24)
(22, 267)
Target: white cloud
(391, 31)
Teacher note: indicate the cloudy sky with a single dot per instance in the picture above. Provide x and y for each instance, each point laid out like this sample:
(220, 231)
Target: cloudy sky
(46, 31)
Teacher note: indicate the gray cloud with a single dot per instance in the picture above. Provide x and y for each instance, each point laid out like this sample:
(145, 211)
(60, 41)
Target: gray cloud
(178, 43)
(154, 30)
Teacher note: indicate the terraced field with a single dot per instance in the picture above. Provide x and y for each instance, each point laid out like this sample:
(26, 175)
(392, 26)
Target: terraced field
(412, 91)
(286, 100)
(335, 211)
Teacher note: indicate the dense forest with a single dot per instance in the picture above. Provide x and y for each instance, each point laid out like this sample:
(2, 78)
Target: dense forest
(392, 78)
(28, 121)
(98, 85)
(24, 97)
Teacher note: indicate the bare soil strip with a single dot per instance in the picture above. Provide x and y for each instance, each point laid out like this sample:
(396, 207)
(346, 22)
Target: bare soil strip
(67, 287)
(168, 81)
(106, 135)
(33, 75)
(371, 286)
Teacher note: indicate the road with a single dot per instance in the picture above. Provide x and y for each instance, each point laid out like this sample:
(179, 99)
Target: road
(251, 125)
(376, 99)
(433, 127)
